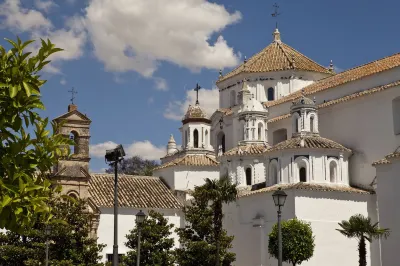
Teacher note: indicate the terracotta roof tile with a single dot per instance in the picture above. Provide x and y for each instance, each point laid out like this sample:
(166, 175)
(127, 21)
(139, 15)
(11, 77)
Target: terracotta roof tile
(191, 160)
(225, 111)
(387, 159)
(310, 142)
(344, 77)
(346, 98)
(309, 186)
(276, 57)
(249, 149)
(133, 191)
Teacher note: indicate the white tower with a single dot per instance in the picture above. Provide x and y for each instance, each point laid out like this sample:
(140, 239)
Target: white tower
(304, 117)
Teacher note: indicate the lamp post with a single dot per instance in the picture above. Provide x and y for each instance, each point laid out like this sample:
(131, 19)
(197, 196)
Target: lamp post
(279, 197)
(113, 157)
(140, 216)
(47, 231)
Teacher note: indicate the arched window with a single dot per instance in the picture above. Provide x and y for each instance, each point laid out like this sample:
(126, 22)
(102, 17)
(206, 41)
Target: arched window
(248, 176)
(312, 124)
(186, 138)
(279, 135)
(206, 138)
(221, 141)
(196, 138)
(75, 147)
(73, 195)
(303, 174)
(396, 115)
(271, 94)
(233, 98)
(333, 171)
(260, 131)
(274, 174)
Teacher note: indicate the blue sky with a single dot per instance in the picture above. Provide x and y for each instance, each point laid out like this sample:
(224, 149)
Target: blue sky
(135, 63)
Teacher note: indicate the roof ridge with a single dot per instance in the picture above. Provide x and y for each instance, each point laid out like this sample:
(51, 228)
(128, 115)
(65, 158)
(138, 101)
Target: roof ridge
(285, 54)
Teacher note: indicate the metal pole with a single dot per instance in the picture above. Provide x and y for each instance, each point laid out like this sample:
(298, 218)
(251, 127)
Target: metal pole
(138, 249)
(279, 238)
(115, 247)
(47, 252)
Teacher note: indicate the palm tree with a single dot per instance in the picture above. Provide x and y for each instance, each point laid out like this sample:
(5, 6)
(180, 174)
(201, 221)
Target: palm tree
(219, 192)
(360, 227)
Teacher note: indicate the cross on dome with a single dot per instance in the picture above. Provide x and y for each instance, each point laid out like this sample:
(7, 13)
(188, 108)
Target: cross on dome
(197, 92)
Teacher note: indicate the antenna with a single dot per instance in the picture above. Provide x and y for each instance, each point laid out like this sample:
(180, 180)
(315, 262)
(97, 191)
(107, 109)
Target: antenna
(73, 92)
(276, 14)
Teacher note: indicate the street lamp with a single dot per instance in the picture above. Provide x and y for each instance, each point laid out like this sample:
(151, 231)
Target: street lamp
(279, 197)
(113, 157)
(47, 231)
(140, 216)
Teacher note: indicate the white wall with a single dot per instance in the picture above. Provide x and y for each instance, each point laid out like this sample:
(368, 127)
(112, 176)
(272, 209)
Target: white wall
(322, 209)
(388, 183)
(126, 222)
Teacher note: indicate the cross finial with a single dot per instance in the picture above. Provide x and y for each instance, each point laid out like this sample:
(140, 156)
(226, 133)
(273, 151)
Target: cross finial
(276, 14)
(73, 92)
(197, 92)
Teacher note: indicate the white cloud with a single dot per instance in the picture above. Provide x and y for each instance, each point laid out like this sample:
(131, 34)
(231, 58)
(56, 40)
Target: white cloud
(145, 149)
(45, 5)
(161, 84)
(138, 34)
(15, 17)
(63, 81)
(209, 101)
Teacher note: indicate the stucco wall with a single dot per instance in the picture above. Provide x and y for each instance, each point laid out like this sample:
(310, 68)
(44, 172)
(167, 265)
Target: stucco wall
(126, 222)
(388, 183)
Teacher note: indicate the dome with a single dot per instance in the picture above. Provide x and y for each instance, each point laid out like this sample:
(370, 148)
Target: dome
(253, 106)
(195, 114)
(303, 102)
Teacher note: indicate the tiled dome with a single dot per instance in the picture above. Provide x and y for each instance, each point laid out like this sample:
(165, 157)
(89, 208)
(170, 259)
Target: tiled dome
(195, 113)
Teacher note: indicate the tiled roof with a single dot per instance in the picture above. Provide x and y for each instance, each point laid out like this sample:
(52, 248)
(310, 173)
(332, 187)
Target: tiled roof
(225, 111)
(250, 149)
(276, 57)
(133, 191)
(309, 186)
(195, 111)
(346, 98)
(387, 159)
(344, 77)
(191, 160)
(310, 142)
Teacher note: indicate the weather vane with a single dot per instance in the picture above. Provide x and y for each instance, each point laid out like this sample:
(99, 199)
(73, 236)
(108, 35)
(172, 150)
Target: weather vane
(276, 14)
(73, 92)
(197, 92)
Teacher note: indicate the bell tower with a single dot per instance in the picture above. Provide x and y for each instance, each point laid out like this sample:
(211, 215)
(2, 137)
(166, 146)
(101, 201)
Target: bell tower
(73, 172)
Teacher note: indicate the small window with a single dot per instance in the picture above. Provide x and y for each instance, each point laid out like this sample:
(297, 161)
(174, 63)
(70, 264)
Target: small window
(396, 115)
(74, 148)
(233, 98)
(312, 124)
(302, 174)
(260, 131)
(274, 174)
(271, 94)
(248, 176)
(333, 171)
(196, 138)
(221, 141)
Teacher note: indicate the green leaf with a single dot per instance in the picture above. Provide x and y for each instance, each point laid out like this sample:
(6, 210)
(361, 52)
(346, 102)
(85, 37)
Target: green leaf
(13, 91)
(6, 200)
(27, 88)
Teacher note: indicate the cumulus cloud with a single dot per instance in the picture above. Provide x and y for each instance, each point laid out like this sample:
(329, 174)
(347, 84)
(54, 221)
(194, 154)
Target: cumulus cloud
(209, 101)
(45, 5)
(161, 84)
(145, 149)
(138, 34)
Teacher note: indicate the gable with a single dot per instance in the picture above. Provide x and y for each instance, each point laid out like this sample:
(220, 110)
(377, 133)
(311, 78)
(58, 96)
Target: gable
(73, 116)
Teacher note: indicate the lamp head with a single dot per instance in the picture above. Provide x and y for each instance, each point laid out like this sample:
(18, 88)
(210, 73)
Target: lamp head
(115, 155)
(140, 216)
(279, 197)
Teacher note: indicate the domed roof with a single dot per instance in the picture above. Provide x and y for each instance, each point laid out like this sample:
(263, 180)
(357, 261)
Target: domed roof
(195, 114)
(276, 57)
(252, 106)
(303, 101)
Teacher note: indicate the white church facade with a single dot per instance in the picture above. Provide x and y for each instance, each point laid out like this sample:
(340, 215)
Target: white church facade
(286, 122)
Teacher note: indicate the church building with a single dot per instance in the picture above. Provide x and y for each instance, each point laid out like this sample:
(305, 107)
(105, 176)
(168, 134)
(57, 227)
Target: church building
(329, 140)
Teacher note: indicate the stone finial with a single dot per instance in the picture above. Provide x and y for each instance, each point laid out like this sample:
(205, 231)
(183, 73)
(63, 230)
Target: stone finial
(220, 73)
(331, 69)
(277, 35)
(245, 59)
(72, 107)
(171, 139)
(315, 100)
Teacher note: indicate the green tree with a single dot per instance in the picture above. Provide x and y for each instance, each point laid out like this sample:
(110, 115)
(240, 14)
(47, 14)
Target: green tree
(297, 241)
(135, 165)
(156, 242)
(204, 241)
(362, 228)
(25, 159)
(69, 241)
